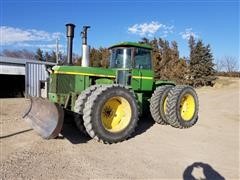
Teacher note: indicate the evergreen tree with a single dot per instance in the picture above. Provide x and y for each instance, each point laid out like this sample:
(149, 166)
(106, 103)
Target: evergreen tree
(210, 72)
(192, 44)
(166, 62)
(39, 55)
(47, 57)
(201, 66)
(53, 57)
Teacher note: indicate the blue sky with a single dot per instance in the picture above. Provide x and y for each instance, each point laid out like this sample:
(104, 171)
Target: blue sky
(35, 23)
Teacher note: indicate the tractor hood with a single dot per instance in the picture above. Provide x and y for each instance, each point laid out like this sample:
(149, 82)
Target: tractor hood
(85, 71)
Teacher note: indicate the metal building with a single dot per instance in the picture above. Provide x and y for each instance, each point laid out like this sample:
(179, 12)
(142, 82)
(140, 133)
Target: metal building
(35, 72)
(36, 75)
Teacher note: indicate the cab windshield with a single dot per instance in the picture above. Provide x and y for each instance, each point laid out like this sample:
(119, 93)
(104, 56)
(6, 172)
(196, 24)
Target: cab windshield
(128, 58)
(121, 58)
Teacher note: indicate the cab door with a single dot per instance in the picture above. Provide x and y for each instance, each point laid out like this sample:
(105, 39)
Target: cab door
(123, 62)
(142, 79)
(142, 73)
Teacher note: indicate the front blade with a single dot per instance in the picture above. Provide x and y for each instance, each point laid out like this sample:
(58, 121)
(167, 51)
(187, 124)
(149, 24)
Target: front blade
(44, 117)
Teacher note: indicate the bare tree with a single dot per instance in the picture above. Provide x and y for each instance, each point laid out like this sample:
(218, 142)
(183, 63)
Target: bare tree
(229, 64)
(218, 65)
(24, 54)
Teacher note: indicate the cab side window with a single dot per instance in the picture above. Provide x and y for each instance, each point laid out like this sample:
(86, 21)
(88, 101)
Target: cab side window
(142, 58)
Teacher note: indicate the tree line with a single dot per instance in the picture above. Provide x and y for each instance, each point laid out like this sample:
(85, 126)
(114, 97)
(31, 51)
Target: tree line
(197, 70)
(27, 54)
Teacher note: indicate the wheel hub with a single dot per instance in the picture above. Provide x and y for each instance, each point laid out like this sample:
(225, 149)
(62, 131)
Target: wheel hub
(187, 107)
(116, 114)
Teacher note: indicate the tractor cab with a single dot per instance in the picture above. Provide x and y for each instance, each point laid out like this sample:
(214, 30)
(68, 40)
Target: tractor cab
(131, 61)
(129, 55)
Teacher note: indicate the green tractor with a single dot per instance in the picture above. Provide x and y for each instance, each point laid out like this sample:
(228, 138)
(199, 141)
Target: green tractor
(107, 102)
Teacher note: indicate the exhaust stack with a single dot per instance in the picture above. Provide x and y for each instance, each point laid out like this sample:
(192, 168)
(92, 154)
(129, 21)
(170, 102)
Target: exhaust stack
(70, 35)
(85, 47)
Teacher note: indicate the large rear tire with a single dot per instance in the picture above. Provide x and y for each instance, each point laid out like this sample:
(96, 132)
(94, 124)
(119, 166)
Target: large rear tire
(182, 107)
(111, 114)
(158, 104)
(79, 106)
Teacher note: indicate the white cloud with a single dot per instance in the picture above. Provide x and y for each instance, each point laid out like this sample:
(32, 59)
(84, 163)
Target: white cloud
(12, 35)
(149, 29)
(39, 45)
(44, 47)
(187, 33)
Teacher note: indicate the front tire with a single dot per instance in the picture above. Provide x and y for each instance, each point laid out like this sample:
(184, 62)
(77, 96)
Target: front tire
(111, 114)
(79, 106)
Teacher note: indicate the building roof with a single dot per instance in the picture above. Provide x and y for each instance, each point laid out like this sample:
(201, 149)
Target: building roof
(10, 60)
(131, 44)
(16, 66)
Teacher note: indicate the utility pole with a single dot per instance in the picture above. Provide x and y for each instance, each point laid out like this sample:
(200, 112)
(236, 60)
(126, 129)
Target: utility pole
(57, 50)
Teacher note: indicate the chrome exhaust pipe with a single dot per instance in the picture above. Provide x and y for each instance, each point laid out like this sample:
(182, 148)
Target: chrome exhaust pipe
(70, 36)
(85, 47)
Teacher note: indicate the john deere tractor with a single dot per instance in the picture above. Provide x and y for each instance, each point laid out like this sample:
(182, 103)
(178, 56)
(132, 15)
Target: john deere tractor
(107, 102)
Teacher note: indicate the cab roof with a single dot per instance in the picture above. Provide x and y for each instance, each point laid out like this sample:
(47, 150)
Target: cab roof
(131, 44)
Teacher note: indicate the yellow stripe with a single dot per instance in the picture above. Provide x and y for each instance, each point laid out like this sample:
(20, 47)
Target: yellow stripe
(85, 74)
(143, 77)
(99, 75)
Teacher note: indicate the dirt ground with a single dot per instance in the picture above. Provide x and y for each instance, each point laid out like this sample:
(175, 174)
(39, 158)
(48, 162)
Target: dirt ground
(208, 150)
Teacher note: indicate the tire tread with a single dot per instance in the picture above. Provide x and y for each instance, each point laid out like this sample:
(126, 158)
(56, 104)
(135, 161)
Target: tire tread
(79, 106)
(154, 104)
(172, 108)
(89, 108)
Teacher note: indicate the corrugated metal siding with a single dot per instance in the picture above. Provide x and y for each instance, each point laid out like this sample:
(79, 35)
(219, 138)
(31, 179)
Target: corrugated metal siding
(35, 72)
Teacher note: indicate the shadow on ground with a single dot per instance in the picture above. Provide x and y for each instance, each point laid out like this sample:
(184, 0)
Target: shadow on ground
(16, 133)
(75, 136)
(144, 124)
(199, 170)
(71, 132)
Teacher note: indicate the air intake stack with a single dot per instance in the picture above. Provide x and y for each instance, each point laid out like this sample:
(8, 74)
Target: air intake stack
(70, 35)
(85, 47)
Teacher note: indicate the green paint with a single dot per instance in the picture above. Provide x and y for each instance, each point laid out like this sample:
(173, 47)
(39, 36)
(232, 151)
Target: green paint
(67, 82)
(131, 44)
(140, 101)
(104, 81)
(75, 79)
(86, 71)
(53, 83)
(73, 100)
(162, 83)
(57, 98)
(142, 80)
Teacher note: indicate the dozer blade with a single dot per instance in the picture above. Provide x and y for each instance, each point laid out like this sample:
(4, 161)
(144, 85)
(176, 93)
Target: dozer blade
(44, 117)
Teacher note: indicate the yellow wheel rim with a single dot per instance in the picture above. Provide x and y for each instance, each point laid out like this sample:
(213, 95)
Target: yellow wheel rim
(116, 114)
(187, 107)
(165, 105)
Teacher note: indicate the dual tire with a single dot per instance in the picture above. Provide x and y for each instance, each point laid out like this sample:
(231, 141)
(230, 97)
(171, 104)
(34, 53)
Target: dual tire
(109, 113)
(79, 106)
(175, 105)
